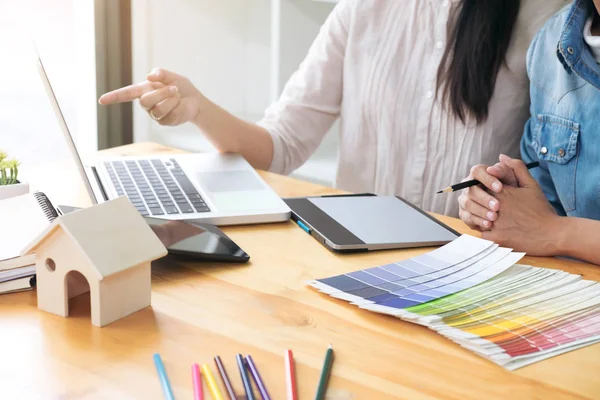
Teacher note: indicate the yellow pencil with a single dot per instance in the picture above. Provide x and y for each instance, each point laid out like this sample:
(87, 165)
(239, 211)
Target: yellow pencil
(212, 384)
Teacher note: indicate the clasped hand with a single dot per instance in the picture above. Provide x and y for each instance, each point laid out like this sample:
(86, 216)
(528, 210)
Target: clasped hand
(510, 208)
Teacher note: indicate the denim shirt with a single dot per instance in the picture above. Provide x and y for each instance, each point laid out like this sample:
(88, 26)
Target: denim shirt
(563, 132)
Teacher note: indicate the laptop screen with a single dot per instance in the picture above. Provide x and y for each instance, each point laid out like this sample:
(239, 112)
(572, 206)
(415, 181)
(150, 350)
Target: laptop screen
(65, 129)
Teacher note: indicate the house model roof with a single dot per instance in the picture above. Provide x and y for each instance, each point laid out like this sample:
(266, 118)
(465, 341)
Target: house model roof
(113, 235)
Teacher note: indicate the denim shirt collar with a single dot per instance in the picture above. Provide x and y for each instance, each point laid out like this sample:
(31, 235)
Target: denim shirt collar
(572, 51)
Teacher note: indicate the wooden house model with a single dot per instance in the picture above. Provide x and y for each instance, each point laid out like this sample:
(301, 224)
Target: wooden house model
(111, 246)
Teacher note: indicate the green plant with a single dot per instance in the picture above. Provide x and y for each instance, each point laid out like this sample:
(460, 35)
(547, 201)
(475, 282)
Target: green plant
(9, 170)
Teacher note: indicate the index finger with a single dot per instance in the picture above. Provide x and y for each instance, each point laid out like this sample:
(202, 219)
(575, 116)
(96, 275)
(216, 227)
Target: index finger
(504, 173)
(480, 173)
(129, 93)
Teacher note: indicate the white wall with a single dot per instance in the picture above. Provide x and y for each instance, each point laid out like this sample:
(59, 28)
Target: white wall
(63, 31)
(226, 48)
(221, 45)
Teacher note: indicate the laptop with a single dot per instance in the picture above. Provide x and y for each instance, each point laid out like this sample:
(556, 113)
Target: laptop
(219, 189)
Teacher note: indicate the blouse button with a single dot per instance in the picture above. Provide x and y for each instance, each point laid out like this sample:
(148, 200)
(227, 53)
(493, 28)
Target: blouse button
(544, 150)
(570, 50)
(561, 152)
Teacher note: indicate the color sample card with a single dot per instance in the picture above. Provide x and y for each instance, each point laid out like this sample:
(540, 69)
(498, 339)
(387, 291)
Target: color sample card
(474, 293)
(408, 276)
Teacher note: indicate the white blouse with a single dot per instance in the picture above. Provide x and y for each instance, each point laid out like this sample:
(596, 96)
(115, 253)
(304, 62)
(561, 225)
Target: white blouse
(374, 65)
(592, 41)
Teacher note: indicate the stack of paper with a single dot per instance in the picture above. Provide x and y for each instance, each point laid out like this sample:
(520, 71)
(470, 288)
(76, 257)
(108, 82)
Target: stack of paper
(23, 218)
(471, 292)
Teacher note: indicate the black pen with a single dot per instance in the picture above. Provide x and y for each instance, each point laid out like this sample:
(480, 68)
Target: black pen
(474, 182)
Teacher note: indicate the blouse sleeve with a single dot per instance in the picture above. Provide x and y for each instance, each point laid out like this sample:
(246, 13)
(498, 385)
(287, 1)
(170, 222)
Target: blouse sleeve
(311, 99)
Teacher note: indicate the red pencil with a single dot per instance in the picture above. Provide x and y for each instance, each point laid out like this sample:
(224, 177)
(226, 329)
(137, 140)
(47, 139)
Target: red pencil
(290, 374)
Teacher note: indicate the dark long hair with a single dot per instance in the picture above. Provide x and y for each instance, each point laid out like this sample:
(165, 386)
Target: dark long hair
(476, 50)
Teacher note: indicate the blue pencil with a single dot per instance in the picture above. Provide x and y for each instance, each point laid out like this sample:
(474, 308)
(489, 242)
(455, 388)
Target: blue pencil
(245, 377)
(162, 375)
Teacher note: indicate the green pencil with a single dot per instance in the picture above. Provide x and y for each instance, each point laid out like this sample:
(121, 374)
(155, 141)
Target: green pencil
(322, 388)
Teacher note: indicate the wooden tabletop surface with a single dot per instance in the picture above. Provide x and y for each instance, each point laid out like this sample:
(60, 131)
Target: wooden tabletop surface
(261, 308)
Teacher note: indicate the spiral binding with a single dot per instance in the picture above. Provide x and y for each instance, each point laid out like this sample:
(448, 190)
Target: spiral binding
(46, 206)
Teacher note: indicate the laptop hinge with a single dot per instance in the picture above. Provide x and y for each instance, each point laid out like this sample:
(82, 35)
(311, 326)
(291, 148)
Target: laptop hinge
(99, 183)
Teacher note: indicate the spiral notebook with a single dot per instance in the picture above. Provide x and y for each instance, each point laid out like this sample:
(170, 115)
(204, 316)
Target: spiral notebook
(23, 218)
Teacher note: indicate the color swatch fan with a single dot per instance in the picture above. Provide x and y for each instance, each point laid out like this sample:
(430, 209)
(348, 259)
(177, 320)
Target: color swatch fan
(471, 292)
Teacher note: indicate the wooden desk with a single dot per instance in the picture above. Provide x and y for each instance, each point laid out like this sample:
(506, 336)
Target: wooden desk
(202, 309)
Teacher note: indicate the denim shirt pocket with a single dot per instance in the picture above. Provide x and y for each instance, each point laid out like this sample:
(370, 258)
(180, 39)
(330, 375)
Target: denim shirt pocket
(555, 142)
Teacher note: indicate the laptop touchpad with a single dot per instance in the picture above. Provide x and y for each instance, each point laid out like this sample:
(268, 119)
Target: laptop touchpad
(228, 181)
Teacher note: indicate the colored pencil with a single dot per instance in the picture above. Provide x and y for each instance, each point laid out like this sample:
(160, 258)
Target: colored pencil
(290, 374)
(162, 375)
(245, 378)
(212, 384)
(225, 378)
(259, 382)
(325, 372)
(197, 379)
(475, 182)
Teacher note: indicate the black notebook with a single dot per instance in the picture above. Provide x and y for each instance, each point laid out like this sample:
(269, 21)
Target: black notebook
(23, 219)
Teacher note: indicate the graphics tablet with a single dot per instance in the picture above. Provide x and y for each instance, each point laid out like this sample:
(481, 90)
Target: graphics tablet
(363, 222)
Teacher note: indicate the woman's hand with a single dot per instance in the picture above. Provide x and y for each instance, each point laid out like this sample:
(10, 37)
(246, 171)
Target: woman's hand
(526, 221)
(169, 98)
(478, 207)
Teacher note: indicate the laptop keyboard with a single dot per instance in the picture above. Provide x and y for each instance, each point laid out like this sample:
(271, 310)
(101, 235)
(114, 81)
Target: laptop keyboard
(155, 187)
